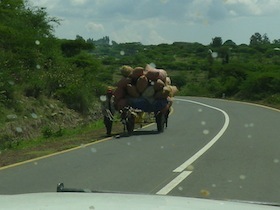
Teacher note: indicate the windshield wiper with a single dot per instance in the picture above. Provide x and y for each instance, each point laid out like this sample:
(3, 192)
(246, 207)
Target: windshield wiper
(60, 188)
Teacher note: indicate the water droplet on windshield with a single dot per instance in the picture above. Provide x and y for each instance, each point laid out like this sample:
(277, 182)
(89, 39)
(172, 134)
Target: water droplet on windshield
(214, 54)
(83, 146)
(180, 188)
(242, 177)
(276, 160)
(214, 185)
(34, 116)
(37, 42)
(199, 110)
(249, 136)
(204, 193)
(122, 52)
(206, 132)
(190, 168)
(153, 65)
(249, 125)
(128, 143)
(35, 163)
(38, 66)
(203, 123)
(11, 82)
(93, 150)
(162, 147)
(19, 129)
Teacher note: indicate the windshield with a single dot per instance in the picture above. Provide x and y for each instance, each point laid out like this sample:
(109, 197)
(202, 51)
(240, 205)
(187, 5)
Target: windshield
(190, 97)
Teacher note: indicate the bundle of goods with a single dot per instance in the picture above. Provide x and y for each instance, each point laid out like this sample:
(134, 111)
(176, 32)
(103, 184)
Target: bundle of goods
(148, 89)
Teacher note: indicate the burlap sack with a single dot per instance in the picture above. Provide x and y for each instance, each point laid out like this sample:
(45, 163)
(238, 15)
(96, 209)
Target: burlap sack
(142, 83)
(123, 82)
(168, 81)
(121, 104)
(132, 91)
(149, 92)
(173, 90)
(119, 93)
(159, 84)
(126, 70)
(162, 75)
(164, 93)
(137, 72)
(152, 74)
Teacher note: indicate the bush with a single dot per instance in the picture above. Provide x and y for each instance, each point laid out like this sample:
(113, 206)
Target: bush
(273, 99)
(75, 97)
(261, 84)
(179, 80)
(47, 132)
(6, 91)
(194, 90)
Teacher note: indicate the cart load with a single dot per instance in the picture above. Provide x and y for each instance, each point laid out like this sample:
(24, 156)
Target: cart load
(148, 89)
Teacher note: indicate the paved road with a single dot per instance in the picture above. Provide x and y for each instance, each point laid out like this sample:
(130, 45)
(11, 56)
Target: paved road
(212, 148)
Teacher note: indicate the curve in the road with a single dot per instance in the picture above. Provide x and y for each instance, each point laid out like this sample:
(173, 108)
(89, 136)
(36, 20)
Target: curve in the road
(181, 169)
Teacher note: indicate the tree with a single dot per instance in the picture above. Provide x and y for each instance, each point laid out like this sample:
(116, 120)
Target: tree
(217, 42)
(256, 39)
(224, 54)
(78, 37)
(71, 48)
(276, 41)
(265, 39)
(229, 43)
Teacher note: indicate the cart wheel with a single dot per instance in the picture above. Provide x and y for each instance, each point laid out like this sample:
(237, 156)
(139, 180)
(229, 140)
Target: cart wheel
(160, 120)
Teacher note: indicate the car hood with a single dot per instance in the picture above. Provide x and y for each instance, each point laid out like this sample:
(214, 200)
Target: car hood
(114, 201)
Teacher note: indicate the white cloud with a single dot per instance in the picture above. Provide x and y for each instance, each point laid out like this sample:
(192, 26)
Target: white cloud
(92, 27)
(254, 7)
(49, 4)
(155, 21)
(78, 2)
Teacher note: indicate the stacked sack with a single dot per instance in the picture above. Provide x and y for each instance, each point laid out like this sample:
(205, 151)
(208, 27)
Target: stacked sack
(139, 83)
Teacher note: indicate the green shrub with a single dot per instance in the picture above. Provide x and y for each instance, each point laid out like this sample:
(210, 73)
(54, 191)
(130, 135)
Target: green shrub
(179, 80)
(8, 142)
(47, 132)
(7, 90)
(261, 84)
(75, 97)
(273, 99)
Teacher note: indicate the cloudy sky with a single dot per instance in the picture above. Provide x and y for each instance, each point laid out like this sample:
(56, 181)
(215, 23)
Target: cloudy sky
(165, 21)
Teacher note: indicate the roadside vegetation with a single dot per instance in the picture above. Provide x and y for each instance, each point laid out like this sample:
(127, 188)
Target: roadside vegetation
(50, 87)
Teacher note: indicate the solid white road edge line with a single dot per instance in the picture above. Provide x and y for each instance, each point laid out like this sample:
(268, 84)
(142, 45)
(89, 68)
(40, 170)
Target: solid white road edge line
(171, 185)
(184, 174)
(209, 144)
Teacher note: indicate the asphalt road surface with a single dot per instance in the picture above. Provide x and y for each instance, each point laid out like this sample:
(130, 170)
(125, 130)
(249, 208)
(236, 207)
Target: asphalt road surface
(212, 148)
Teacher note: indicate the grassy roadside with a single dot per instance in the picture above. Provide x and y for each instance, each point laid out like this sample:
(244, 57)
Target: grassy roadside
(44, 146)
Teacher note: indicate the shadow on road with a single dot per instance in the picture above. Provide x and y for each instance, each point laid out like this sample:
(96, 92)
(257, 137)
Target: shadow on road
(137, 133)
